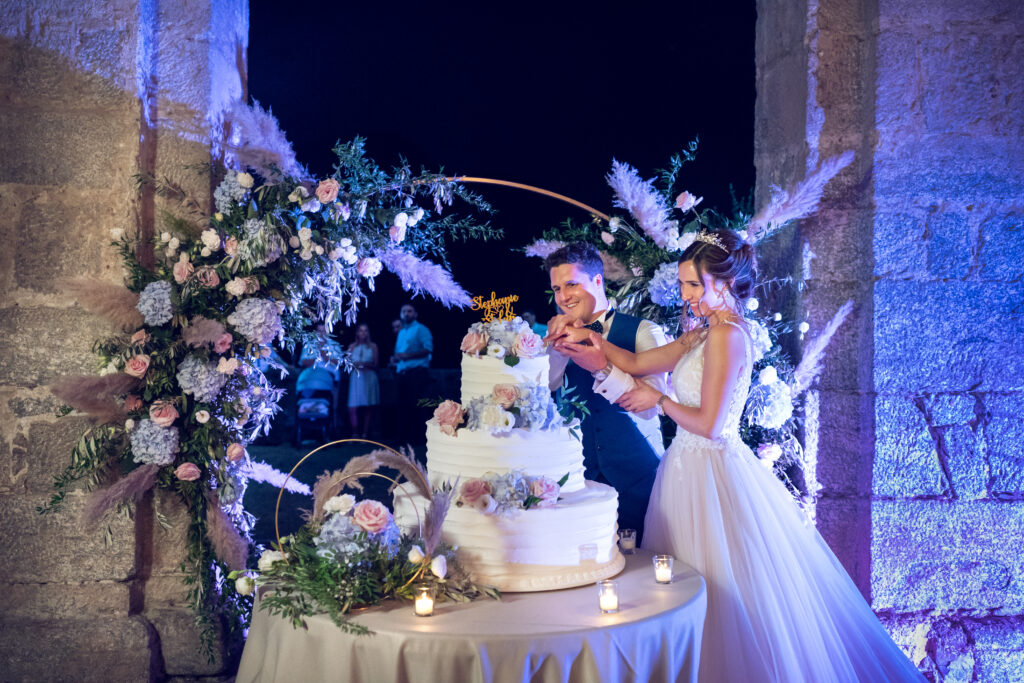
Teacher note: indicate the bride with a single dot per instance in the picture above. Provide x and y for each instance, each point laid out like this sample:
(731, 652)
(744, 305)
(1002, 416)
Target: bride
(780, 606)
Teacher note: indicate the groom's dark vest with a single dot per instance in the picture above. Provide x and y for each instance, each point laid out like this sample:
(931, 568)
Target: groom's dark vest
(614, 450)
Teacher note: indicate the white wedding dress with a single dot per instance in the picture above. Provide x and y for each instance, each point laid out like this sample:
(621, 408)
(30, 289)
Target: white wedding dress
(780, 606)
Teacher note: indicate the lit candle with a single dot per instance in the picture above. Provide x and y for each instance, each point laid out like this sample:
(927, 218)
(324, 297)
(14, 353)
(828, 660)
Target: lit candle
(627, 540)
(608, 596)
(663, 568)
(424, 600)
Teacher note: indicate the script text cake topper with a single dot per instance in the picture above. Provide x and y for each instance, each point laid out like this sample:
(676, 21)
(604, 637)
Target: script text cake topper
(502, 308)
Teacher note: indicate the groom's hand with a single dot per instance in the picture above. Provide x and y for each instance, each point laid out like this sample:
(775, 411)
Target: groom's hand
(558, 326)
(588, 354)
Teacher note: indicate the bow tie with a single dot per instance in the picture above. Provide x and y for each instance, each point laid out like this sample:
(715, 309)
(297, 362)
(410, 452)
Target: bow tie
(597, 326)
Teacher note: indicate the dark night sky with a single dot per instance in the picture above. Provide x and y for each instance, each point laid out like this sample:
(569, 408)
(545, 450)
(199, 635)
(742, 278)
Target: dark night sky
(536, 93)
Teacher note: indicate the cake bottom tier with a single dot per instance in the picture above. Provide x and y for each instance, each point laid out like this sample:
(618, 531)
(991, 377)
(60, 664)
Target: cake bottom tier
(571, 544)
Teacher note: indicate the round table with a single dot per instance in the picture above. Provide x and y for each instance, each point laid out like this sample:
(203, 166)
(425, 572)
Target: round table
(540, 637)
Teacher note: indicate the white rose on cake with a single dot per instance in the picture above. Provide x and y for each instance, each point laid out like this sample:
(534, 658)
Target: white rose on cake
(497, 419)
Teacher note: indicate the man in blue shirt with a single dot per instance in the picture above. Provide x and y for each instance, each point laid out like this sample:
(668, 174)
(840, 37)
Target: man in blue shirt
(413, 349)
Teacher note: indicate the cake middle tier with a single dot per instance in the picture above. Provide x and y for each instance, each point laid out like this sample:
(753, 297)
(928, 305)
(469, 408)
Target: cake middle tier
(479, 375)
(551, 453)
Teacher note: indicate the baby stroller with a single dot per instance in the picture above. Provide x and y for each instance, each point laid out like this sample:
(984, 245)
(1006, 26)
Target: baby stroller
(315, 392)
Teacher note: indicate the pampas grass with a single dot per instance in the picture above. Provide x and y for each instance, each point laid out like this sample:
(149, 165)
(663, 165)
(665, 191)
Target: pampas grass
(202, 331)
(113, 302)
(642, 200)
(256, 141)
(330, 484)
(227, 543)
(433, 520)
(129, 488)
(544, 248)
(421, 275)
(614, 269)
(94, 394)
(798, 202)
(814, 353)
(267, 474)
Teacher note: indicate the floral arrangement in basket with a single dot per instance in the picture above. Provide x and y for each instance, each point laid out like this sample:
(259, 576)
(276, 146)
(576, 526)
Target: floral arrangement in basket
(509, 340)
(510, 493)
(181, 390)
(640, 251)
(351, 554)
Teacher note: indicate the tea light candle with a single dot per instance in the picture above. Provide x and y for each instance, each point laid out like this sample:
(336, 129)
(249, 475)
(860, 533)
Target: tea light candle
(608, 596)
(663, 568)
(424, 601)
(627, 541)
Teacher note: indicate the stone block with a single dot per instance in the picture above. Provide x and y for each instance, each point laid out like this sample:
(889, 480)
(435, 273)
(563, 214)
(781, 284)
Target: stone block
(950, 409)
(41, 78)
(167, 591)
(47, 453)
(998, 633)
(780, 32)
(1001, 253)
(38, 345)
(907, 461)
(846, 443)
(1004, 443)
(84, 149)
(66, 600)
(845, 524)
(99, 649)
(180, 644)
(948, 245)
(897, 82)
(59, 547)
(845, 79)
(848, 357)
(840, 240)
(999, 667)
(947, 556)
(968, 467)
(899, 245)
(30, 403)
(927, 336)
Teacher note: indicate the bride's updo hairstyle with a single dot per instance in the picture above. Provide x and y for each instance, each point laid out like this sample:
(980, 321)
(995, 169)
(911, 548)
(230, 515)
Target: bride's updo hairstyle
(727, 258)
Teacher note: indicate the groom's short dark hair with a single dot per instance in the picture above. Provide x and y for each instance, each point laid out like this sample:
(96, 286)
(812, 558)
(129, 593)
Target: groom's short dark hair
(583, 254)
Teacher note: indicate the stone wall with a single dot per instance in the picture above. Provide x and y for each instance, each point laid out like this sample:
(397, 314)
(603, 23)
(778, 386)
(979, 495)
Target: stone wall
(921, 399)
(92, 93)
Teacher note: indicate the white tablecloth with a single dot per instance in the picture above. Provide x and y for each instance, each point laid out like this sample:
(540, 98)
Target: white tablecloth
(538, 637)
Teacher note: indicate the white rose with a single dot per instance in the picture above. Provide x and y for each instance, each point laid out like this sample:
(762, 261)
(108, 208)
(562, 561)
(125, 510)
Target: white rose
(245, 180)
(340, 504)
(268, 558)
(129, 425)
(174, 243)
(236, 287)
(345, 242)
(244, 585)
(614, 223)
(305, 234)
(439, 566)
(165, 237)
(402, 220)
(416, 554)
(804, 327)
(202, 416)
(769, 375)
(496, 351)
(210, 239)
(294, 242)
(205, 251)
(319, 250)
(769, 452)
(416, 216)
(685, 240)
(298, 194)
(117, 233)
(305, 254)
(753, 304)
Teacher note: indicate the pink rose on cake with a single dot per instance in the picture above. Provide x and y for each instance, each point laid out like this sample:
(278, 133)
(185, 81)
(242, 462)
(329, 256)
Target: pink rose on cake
(448, 416)
(547, 490)
(474, 343)
(505, 394)
(528, 345)
(371, 516)
(473, 490)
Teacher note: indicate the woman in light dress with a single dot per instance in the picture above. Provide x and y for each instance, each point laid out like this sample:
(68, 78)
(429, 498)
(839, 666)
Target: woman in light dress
(363, 386)
(780, 605)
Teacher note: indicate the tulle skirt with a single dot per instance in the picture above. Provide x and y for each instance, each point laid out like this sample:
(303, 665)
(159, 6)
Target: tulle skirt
(780, 605)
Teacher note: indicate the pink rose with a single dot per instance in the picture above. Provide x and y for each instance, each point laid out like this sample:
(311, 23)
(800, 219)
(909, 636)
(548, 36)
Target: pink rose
(397, 233)
(473, 343)
(182, 269)
(163, 413)
(505, 394)
(187, 472)
(686, 201)
(607, 238)
(528, 345)
(223, 343)
(132, 402)
(547, 490)
(140, 337)
(236, 452)
(371, 516)
(448, 416)
(369, 267)
(473, 490)
(231, 246)
(252, 285)
(137, 366)
(207, 276)
(327, 190)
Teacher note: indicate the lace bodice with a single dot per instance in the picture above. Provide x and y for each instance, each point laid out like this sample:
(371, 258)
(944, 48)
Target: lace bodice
(686, 380)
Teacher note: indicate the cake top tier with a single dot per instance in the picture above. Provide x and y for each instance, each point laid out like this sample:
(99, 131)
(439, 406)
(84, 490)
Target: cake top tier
(501, 352)
(503, 339)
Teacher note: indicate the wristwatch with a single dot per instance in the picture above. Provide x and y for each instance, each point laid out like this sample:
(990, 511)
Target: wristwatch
(602, 374)
(661, 404)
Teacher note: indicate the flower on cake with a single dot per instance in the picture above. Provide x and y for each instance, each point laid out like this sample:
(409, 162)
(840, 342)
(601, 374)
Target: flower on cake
(496, 419)
(509, 493)
(546, 490)
(449, 416)
(528, 344)
(473, 491)
(505, 395)
(496, 351)
(503, 339)
(474, 342)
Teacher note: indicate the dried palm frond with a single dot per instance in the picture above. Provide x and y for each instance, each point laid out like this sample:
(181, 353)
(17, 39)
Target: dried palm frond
(94, 394)
(814, 354)
(110, 301)
(433, 520)
(129, 488)
(202, 331)
(330, 484)
(228, 544)
(256, 141)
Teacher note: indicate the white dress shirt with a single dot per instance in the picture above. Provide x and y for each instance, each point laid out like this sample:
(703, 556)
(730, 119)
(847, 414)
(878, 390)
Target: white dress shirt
(648, 336)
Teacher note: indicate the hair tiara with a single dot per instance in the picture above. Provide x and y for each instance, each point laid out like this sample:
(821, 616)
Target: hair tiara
(710, 238)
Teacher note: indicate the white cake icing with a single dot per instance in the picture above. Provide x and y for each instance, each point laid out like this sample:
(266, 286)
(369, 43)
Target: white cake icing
(479, 375)
(551, 453)
(570, 544)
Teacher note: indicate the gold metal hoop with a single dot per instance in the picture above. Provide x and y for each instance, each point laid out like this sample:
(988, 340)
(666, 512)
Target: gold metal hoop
(530, 188)
(277, 506)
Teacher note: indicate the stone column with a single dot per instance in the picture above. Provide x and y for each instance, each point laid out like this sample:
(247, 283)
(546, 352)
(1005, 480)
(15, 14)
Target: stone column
(920, 403)
(92, 93)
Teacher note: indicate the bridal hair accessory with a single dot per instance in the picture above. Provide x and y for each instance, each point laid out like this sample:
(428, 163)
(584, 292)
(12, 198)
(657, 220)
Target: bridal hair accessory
(710, 238)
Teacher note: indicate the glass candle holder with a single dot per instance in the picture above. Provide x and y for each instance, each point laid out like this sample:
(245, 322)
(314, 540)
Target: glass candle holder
(663, 568)
(423, 596)
(608, 596)
(627, 541)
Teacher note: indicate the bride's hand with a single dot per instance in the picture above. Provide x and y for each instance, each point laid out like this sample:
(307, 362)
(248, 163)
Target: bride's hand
(557, 327)
(587, 353)
(643, 397)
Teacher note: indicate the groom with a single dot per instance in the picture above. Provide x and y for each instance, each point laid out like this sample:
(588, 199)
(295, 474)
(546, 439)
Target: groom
(619, 448)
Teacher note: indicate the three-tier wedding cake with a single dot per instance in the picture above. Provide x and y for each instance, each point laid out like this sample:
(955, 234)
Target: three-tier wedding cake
(523, 518)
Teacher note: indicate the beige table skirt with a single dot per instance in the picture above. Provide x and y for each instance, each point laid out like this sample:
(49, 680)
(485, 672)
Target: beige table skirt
(546, 637)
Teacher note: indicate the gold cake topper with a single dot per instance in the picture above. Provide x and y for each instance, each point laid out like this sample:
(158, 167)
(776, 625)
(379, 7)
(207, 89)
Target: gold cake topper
(502, 308)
